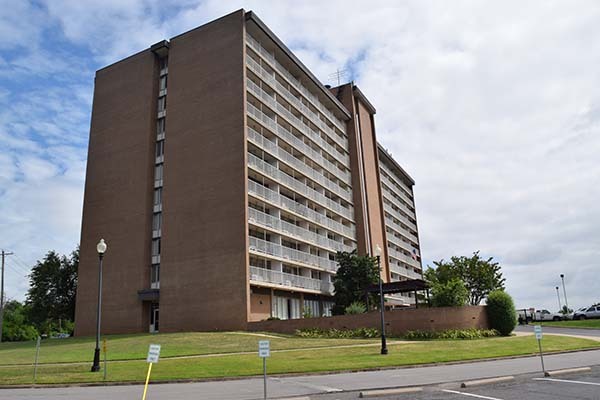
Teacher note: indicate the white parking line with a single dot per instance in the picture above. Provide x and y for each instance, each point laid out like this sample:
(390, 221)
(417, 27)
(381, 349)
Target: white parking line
(470, 394)
(567, 381)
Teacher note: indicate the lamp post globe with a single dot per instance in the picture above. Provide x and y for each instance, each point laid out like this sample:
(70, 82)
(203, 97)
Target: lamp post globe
(101, 249)
(384, 349)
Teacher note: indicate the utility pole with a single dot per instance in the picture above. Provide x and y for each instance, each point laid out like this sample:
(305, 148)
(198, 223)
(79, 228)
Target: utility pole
(4, 254)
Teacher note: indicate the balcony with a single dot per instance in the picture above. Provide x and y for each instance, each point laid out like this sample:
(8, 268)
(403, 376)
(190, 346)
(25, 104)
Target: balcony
(274, 173)
(299, 124)
(293, 231)
(392, 186)
(404, 258)
(273, 149)
(256, 46)
(297, 143)
(390, 223)
(283, 202)
(286, 253)
(262, 275)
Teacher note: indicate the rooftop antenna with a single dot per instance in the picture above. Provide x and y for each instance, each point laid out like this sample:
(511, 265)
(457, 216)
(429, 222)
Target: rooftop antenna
(338, 75)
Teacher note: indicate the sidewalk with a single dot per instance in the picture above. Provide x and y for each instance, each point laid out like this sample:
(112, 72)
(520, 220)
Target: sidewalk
(249, 389)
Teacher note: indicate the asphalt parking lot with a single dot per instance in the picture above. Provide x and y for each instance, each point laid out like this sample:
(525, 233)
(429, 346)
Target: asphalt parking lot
(584, 386)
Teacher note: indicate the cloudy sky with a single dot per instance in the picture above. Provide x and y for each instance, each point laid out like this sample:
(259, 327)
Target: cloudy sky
(493, 108)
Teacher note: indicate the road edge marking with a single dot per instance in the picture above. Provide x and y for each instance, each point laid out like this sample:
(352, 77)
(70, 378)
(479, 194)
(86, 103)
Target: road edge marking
(386, 392)
(486, 381)
(470, 394)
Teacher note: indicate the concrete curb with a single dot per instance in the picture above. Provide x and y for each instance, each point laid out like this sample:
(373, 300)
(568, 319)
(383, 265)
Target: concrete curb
(567, 371)
(389, 392)
(487, 381)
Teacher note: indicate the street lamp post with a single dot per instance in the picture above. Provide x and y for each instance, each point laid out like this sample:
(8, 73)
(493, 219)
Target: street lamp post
(384, 349)
(101, 249)
(558, 295)
(562, 277)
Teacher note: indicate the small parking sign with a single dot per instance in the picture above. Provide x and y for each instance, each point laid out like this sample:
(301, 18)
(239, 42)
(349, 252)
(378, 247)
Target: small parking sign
(538, 332)
(264, 349)
(153, 353)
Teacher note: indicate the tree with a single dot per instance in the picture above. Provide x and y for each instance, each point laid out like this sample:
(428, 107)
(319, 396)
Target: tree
(501, 312)
(480, 276)
(52, 289)
(354, 275)
(16, 326)
(450, 294)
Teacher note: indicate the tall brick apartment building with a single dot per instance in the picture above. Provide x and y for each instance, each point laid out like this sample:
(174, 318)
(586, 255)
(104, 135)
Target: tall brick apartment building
(224, 178)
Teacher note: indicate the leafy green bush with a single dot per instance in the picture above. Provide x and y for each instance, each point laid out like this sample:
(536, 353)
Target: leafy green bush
(449, 294)
(338, 333)
(451, 334)
(501, 312)
(356, 307)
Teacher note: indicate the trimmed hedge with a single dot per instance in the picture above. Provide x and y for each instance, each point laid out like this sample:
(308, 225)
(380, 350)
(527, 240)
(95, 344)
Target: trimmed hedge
(364, 333)
(451, 334)
(501, 312)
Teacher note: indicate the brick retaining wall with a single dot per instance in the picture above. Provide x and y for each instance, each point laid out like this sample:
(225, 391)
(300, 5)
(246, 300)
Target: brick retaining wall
(397, 321)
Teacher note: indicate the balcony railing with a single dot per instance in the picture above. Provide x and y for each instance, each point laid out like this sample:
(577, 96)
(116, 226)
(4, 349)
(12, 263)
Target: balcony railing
(273, 149)
(395, 214)
(274, 249)
(295, 142)
(289, 280)
(298, 123)
(388, 196)
(266, 220)
(300, 209)
(404, 187)
(404, 258)
(398, 192)
(257, 47)
(299, 187)
(399, 242)
(400, 229)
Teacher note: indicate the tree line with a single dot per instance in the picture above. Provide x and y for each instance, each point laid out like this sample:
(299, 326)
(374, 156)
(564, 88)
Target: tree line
(49, 306)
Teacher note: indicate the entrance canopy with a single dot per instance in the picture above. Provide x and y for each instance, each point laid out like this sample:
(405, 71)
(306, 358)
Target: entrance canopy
(411, 285)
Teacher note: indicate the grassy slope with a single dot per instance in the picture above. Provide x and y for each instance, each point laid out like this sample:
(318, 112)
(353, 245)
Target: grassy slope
(586, 323)
(299, 361)
(132, 347)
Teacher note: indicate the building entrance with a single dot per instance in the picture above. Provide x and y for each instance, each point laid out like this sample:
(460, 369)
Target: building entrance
(154, 317)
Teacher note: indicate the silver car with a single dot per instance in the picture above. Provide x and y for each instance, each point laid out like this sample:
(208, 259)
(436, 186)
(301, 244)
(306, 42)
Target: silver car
(590, 312)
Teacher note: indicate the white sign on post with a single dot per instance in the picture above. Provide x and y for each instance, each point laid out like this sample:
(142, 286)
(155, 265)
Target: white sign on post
(264, 349)
(153, 353)
(538, 332)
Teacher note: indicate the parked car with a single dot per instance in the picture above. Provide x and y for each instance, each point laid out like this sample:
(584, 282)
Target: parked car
(588, 312)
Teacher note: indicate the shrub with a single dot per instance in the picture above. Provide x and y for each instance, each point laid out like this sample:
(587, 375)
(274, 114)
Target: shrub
(450, 294)
(338, 333)
(356, 307)
(451, 334)
(501, 312)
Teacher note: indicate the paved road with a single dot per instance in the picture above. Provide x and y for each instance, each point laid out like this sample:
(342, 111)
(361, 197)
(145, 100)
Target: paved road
(560, 331)
(584, 386)
(247, 389)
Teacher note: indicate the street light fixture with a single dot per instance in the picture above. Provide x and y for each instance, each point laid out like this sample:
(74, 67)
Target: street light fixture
(101, 249)
(558, 295)
(384, 349)
(562, 277)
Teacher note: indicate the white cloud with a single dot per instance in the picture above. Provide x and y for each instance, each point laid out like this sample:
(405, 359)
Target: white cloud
(492, 107)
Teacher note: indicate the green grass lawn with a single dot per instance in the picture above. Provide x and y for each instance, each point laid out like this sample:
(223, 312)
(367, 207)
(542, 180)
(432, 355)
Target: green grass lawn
(585, 323)
(135, 347)
(301, 361)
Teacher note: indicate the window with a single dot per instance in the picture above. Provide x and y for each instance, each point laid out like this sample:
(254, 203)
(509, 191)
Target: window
(311, 308)
(156, 221)
(156, 247)
(162, 103)
(164, 63)
(158, 172)
(162, 83)
(157, 196)
(155, 273)
(160, 126)
(160, 148)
